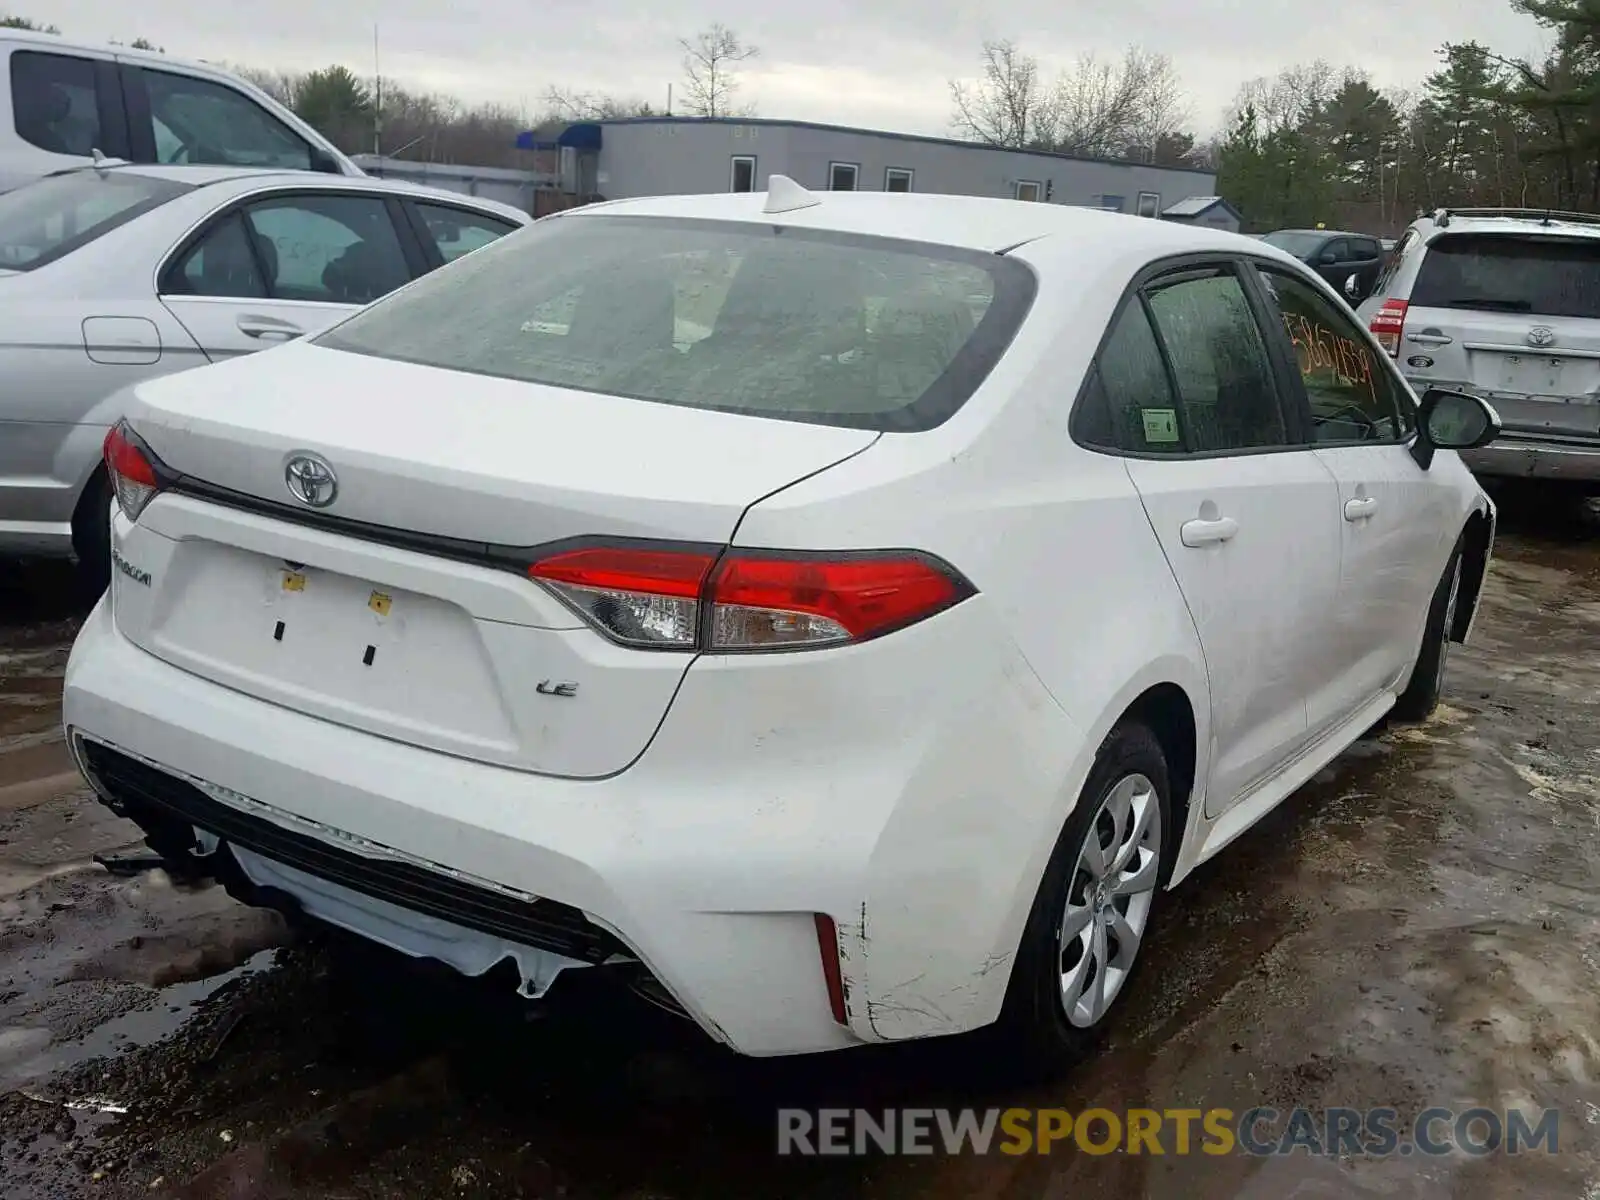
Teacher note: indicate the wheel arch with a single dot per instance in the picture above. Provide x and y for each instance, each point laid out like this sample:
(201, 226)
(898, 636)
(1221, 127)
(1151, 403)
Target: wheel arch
(1168, 712)
(1477, 546)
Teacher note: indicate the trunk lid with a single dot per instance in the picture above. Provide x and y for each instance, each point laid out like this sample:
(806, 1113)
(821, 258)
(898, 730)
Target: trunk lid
(378, 629)
(1514, 317)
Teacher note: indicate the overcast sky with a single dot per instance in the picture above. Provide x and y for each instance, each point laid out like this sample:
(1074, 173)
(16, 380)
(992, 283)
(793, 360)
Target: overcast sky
(877, 63)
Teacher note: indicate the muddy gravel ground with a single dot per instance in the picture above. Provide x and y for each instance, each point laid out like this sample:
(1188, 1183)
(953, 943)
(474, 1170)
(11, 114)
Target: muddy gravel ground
(1419, 926)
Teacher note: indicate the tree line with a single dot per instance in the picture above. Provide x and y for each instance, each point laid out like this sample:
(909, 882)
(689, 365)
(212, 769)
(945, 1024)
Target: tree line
(1485, 129)
(1322, 143)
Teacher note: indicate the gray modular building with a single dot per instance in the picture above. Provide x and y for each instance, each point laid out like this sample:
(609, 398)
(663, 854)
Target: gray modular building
(657, 156)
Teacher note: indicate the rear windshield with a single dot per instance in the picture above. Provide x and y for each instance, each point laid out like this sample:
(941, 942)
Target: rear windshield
(51, 217)
(1298, 244)
(771, 321)
(1551, 276)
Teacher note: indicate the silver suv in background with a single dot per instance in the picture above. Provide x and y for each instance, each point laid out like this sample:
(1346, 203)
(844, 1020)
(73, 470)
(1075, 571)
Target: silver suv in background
(1505, 304)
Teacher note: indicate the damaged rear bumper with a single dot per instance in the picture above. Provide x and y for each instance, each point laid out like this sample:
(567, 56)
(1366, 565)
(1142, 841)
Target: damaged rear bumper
(273, 859)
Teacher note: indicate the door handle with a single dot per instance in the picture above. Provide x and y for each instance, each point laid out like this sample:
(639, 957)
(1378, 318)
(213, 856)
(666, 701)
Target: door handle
(1429, 339)
(1199, 533)
(1360, 509)
(270, 329)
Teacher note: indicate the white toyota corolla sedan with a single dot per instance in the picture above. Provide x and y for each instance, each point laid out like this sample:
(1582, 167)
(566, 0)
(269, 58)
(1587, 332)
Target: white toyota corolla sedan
(844, 616)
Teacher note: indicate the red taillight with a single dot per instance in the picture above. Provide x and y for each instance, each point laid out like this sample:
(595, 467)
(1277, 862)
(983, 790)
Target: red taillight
(685, 599)
(133, 474)
(1387, 323)
(832, 975)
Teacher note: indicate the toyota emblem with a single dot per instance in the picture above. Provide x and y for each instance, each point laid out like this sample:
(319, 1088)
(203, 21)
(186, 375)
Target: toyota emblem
(311, 480)
(1541, 335)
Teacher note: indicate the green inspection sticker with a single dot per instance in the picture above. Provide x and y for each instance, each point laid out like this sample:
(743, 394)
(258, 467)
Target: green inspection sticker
(1160, 425)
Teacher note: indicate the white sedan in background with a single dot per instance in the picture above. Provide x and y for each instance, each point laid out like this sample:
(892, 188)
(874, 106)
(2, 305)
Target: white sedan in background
(115, 274)
(845, 615)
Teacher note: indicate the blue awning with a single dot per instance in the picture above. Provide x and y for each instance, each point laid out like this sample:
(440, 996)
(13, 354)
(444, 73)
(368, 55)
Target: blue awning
(585, 135)
(579, 135)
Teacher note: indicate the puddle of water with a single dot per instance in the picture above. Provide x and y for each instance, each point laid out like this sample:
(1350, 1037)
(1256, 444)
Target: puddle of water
(169, 1010)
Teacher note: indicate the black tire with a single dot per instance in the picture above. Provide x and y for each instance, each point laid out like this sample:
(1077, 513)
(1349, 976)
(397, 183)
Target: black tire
(91, 536)
(1034, 1028)
(1421, 696)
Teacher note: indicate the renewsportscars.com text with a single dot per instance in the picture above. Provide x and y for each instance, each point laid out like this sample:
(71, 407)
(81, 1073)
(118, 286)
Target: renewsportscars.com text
(1374, 1132)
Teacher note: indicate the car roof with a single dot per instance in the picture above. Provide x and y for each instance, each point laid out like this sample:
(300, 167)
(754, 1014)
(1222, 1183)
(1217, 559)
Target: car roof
(1531, 223)
(200, 176)
(970, 222)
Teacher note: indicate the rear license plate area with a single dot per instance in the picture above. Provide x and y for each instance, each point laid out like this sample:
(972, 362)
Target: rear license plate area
(331, 644)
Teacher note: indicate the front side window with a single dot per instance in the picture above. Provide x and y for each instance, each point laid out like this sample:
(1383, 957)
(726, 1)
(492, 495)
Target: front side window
(51, 217)
(54, 104)
(455, 231)
(198, 121)
(1544, 275)
(1353, 396)
(1219, 362)
(779, 322)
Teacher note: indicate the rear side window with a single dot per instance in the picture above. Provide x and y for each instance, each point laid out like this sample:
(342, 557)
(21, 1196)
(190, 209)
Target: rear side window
(1392, 261)
(1219, 362)
(455, 231)
(54, 103)
(1144, 415)
(1548, 275)
(801, 325)
(49, 218)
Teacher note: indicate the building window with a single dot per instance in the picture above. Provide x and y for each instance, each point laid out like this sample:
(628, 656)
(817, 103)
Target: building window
(744, 173)
(1026, 189)
(1113, 203)
(897, 179)
(1149, 204)
(842, 177)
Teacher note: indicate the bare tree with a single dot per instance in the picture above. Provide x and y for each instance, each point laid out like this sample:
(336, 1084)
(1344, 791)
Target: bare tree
(710, 67)
(1009, 104)
(564, 104)
(1160, 108)
(1126, 108)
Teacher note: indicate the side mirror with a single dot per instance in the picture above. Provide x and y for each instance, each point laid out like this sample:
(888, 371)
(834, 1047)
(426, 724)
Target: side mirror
(1449, 420)
(1327, 258)
(323, 162)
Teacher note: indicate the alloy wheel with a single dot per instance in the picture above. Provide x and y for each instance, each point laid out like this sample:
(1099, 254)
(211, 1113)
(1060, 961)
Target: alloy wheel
(1109, 899)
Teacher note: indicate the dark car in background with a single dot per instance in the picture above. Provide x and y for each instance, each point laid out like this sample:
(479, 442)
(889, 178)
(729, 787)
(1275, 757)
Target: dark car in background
(1334, 254)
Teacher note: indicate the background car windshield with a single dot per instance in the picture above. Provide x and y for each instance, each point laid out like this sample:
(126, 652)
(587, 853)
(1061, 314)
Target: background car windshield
(739, 317)
(1297, 244)
(1551, 276)
(42, 221)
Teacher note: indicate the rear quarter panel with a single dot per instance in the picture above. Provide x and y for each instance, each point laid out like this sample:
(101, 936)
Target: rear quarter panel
(1058, 544)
